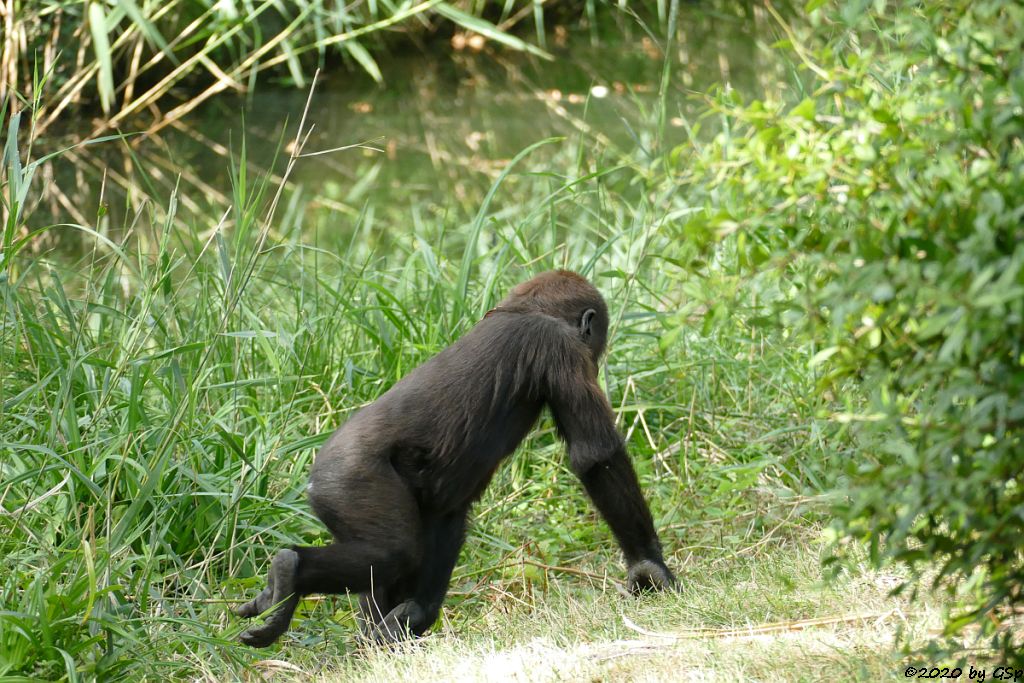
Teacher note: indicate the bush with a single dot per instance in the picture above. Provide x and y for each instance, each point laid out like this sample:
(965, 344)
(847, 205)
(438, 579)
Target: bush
(892, 198)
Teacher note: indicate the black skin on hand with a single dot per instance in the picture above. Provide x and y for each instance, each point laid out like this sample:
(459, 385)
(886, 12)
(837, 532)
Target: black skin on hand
(394, 484)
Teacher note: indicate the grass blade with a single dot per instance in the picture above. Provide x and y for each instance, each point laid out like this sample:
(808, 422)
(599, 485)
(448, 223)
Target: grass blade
(101, 46)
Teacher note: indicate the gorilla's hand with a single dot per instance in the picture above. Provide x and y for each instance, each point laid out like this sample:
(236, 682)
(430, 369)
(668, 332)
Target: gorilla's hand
(650, 575)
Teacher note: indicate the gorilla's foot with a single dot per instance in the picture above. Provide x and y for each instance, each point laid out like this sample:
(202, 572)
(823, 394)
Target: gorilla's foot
(280, 591)
(650, 575)
(261, 603)
(405, 621)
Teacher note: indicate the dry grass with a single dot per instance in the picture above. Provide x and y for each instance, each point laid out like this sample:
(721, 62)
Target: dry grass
(805, 630)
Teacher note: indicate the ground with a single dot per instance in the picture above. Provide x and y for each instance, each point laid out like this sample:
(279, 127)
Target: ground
(764, 618)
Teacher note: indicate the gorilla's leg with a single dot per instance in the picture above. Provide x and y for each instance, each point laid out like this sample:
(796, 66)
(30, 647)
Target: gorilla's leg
(374, 605)
(280, 591)
(377, 541)
(335, 568)
(443, 537)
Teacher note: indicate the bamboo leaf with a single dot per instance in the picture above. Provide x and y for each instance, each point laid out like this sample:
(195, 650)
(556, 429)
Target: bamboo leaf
(488, 30)
(101, 44)
(146, 27)
(362, 55)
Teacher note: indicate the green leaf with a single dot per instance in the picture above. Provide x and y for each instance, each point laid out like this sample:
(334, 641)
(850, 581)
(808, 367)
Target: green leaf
(804, 110)
(488, 30)
(822, 356)
(101, 44)
(147, 28)
(935, 325)
(995, 296)
(361, 55)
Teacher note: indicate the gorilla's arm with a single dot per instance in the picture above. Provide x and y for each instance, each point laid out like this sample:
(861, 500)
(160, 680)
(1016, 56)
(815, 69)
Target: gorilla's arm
(597, 455)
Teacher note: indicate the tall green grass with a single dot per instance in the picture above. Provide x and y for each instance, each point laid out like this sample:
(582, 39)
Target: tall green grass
(163, 390)
(164, 393)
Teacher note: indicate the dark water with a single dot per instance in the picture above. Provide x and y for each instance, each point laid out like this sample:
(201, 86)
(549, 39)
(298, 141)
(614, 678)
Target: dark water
(445, 123)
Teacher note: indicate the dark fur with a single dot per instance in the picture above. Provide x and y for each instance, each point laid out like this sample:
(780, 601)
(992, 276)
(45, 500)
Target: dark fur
(395, 483)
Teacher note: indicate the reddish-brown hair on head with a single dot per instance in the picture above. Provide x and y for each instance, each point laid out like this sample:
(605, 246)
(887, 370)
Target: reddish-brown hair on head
(567, 296)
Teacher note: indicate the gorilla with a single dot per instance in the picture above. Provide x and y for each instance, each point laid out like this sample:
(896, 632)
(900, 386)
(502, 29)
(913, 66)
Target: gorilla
(395, 483)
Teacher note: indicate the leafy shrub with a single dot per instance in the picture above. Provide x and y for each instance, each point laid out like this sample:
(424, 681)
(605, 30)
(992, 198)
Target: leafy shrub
(893, 199)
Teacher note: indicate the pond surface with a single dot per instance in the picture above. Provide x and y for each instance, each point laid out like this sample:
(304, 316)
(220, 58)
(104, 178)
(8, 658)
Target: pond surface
(442, 126)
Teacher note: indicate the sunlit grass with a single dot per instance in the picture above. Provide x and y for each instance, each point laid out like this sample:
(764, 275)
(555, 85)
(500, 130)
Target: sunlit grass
(164, 394)
(769, 617)
(164, 388)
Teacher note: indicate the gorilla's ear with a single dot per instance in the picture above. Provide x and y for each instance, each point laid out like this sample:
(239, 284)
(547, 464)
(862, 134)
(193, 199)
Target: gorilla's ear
(585, 321)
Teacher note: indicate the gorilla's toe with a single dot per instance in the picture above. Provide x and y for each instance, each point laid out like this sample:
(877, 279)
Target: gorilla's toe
(247, 610)
(261, 636)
